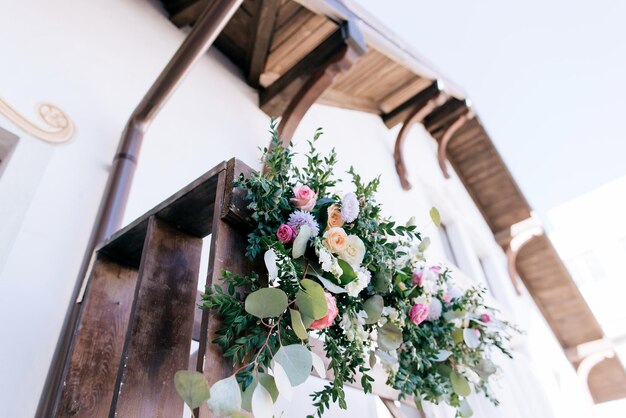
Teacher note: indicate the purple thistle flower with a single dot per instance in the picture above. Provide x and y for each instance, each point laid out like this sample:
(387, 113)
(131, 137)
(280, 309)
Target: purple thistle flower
(299, 218)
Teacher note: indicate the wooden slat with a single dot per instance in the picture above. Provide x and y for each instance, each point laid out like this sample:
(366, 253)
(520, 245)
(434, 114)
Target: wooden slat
(332, 97)
(607, 381)
(401, 113)
(275, 99)
(262, 30)
(90, 381)
(158, 344)
(305, 39)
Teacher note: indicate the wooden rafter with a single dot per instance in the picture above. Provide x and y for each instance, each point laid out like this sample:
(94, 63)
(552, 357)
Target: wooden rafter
(262, 31)
(295, 92)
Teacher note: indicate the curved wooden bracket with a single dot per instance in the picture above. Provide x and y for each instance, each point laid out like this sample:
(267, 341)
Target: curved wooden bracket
(447, 136)
(417, 115)
(518, 241)
(321, 80)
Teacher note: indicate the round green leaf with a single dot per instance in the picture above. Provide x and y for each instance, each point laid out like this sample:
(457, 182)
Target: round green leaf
(442, 355)
(266, 303)
(465, 410)
(382, 280)
(434, 215)
(296, 360)
(299, 244)
(262, 404)
(389, 337)
(282, 381)
(225, 397)
(460, 385)
(268, 383)
(471, 339)
(330, 286)
(423, 246)
(318, 365)
(311, 299)
(192, 387)
(271, 259)
(374, 309)
(298, 325)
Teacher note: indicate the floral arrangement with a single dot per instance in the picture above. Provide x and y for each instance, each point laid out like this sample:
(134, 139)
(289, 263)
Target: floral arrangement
(338, 271)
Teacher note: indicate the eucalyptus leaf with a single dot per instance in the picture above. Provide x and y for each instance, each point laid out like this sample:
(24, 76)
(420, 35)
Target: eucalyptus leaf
(192, 387)
(296, 360)
(442, 355)
(270, 259)
(389, 337)
(485, 368)
(311, 299)
(457, 335)
(300, 243)
(452, 315)
(374, 308)
(262, 404)
(330, 286)
(282, 381)
(298, 325)
(465, 410)
(435, 216)
(225, 397)
(266, 303)
(471, 339)
(318, 365)
(460, 385)
(423, 246)
(382, 280)
(268, 383)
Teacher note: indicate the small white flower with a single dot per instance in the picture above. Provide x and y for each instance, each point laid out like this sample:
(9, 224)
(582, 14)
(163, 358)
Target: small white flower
(356, 286)
(434, 310)
(454, 292)
(349, 207)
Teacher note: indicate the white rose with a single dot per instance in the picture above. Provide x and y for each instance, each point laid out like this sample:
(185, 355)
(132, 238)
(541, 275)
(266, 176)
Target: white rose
(354, 251)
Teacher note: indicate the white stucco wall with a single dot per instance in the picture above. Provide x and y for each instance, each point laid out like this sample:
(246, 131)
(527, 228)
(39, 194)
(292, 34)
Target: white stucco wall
(95, 60)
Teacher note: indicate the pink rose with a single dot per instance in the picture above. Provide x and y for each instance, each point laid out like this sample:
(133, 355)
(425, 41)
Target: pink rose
(418, 275)
(285, 234)
(305, 198)
(326, 321)
(485, 318)
(418, 313)
(447, 298)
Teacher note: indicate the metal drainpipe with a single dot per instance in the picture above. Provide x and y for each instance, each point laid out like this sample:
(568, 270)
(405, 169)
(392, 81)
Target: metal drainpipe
(114, 199)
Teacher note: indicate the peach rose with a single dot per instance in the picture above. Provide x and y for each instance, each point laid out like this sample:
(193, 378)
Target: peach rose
(326, 321)
(336, 240)
(305, 198)
(354, 251)
(334, 217)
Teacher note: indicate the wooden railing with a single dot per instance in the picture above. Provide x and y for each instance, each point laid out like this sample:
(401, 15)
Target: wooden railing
(139, 311)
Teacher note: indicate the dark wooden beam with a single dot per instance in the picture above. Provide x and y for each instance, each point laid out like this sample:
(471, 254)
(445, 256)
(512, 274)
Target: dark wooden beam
(276, 98)
(401, 113)
(260, 39)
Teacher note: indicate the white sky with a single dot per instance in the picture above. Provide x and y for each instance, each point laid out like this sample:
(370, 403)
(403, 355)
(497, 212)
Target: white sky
(548, 79)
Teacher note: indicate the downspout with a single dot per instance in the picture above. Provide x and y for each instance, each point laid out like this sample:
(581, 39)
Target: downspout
(115, 196)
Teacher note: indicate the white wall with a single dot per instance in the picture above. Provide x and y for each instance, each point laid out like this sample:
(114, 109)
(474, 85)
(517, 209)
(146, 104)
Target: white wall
(95, 60)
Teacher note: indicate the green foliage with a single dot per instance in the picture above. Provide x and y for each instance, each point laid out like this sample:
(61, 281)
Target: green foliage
(192, 387)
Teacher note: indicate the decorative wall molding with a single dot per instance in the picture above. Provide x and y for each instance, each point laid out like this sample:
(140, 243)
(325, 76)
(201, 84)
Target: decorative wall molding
(59, 127)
